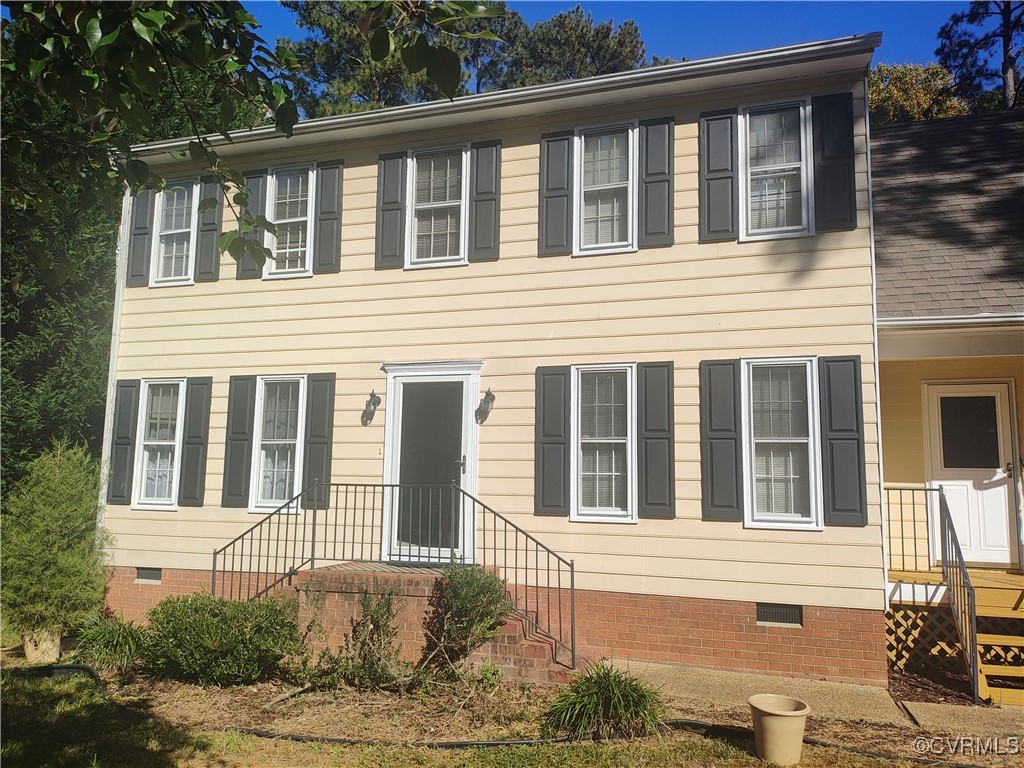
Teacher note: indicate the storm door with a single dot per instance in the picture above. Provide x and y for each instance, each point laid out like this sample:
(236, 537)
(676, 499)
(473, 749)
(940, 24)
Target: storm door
(431, 457)
(971, 456)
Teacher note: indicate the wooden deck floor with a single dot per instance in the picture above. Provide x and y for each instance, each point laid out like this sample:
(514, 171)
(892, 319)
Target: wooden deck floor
(994, 579)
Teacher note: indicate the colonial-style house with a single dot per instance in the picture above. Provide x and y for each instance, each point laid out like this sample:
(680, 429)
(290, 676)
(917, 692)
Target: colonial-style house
(614, 338)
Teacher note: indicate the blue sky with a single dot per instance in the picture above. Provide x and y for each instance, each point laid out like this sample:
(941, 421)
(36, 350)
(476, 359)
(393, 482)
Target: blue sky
(699, 29)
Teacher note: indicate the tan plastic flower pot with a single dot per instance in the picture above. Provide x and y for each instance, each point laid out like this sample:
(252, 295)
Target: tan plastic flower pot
(778, 727)
(41, 647)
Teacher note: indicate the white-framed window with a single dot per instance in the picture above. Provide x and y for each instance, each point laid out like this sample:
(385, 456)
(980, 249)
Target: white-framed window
(279, 434)
(158, 459)
(289, 209)
(781, 443)
(438, 197)
(603, 428)
(174, 241)
(775, 157)
(606, 189)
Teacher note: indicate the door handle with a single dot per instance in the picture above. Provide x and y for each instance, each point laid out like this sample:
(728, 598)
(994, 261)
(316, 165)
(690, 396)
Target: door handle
(461, 463)
(1009, 469)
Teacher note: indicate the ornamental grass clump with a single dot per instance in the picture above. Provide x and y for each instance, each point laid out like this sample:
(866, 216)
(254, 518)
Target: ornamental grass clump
(110, 643)
(604, 702)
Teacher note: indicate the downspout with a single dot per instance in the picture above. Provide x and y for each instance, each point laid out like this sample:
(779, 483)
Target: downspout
(874, 329)
(120, 272)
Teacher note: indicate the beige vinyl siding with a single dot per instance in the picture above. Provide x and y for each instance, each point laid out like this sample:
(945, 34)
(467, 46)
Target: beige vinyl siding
(685, 303)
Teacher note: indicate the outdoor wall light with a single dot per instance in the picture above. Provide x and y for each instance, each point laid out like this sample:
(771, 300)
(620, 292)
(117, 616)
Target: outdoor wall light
(370, 408)
(486, 403)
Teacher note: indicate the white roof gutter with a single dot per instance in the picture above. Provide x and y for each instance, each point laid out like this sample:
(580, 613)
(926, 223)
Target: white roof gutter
(952, 321)
(667, 79)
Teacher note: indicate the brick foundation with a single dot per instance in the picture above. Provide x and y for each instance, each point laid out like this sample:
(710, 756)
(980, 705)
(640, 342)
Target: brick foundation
(838, 644)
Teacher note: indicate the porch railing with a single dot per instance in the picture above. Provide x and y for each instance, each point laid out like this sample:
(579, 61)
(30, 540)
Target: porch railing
(909, 542)
(961, 593)
(406, 525)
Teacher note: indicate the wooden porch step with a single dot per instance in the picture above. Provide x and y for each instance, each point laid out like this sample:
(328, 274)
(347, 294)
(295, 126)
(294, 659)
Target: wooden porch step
(995, 612)
(1007, 696)
(1001, 640)
(999, 670)
(999, 597)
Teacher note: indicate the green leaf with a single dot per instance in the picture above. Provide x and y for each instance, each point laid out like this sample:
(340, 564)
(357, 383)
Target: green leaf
(142, 30)
(416, 56)
(445, 69)
(93, 34)
(207, 204)
(381, 44)
(226, 239)
(484, 35)
(136, 172)
(196, 152)
(285, 117)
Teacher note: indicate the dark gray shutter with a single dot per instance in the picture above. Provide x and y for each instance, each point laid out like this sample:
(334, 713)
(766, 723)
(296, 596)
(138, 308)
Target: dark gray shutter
(256, 182)
(844, 478)
(551, 448)
(718, 165)
(122, 443)
(655, 446)
(555, 194)
(207, 246)
(194, 438)
(835, 172)
(327, 226)
(391, 170)
(319, 436)
(721, 442)
(238, 443)
(140, 240)
(657, 208)
(484, 200)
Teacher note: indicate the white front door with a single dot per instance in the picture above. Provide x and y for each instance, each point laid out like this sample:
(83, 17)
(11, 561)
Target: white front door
(970, 454)
(430, 453)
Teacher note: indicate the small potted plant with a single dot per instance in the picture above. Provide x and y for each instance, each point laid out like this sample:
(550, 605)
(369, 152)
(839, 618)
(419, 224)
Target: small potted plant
(54, 570)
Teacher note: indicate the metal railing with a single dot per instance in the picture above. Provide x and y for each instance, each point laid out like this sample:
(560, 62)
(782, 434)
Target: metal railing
(961, 593)
(407, 525)
(907, 528)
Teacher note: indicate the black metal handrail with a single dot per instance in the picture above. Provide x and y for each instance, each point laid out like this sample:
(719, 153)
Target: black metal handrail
(401, 524)
(961, 593)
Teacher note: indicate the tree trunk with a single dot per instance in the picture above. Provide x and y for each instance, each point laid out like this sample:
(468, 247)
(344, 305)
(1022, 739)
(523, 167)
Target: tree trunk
(1009, 73)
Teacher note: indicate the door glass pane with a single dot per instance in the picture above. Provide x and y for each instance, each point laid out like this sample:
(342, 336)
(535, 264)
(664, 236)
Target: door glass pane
(430, 459)
(970, 433)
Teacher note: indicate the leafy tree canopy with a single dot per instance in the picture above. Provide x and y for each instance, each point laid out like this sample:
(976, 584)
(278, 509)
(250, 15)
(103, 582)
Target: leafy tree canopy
(901, 92)
(982, 48)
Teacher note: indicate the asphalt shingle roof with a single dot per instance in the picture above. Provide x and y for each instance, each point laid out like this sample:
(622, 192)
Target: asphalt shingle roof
(949, 215)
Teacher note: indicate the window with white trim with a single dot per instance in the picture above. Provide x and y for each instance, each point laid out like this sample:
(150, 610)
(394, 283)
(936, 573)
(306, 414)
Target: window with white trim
(158, 459)
(290, 202)
(174, 246)
(781, 437)
(438, 221)
(604, 443)
(605, 189)
(775, 193)
(279, 433)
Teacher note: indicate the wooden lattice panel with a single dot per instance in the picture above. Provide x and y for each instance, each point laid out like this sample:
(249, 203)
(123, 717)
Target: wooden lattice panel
(915, 634)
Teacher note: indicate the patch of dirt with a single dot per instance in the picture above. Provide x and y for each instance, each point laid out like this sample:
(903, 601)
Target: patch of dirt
(937, 684)
(511, 712)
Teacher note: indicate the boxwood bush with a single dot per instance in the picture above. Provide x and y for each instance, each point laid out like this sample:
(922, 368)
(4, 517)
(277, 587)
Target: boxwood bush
(212, 641)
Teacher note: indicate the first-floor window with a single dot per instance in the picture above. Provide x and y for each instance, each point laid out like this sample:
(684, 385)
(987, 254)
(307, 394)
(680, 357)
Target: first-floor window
(160, 440)
(280, 422)
(605, 442)
(781, 434)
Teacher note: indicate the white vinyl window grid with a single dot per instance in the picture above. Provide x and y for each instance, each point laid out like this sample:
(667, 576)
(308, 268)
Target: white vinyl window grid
(166, 446)
(800, 169)
(261, 442)
(788, 521)
(602, 514)
(581, 189)
(413, 259)
(175, 267)
(297, 257)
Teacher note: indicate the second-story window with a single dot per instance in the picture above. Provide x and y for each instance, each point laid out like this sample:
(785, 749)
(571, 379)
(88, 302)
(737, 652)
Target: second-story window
(776, 189)
(440, 187)
(175, 241)
(290, 203)
(605, 179)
